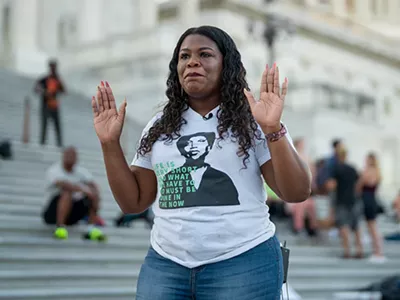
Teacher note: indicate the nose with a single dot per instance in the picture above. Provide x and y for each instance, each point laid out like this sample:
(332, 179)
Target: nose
(193, 62)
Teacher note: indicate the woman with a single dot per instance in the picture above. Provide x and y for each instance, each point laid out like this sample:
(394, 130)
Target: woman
(367, 186)
(201, 161)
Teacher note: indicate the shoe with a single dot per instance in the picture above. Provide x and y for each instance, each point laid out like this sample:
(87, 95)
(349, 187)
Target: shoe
(61, 233)
(95, 234)
(375, 259)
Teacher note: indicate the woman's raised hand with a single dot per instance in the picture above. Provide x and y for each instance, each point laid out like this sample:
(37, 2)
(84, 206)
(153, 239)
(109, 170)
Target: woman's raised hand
(267, 111)
(108, 122)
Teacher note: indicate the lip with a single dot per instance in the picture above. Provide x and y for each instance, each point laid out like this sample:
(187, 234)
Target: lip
(193, 74)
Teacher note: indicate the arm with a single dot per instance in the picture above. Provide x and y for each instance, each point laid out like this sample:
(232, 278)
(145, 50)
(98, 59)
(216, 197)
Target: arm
(360, 184)
(286, 173)
(39, 89)
(62, 87)
(331, 182)
(134, 188)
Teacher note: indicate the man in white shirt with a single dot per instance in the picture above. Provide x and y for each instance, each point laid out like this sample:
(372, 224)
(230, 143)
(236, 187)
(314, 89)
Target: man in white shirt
(73, 196)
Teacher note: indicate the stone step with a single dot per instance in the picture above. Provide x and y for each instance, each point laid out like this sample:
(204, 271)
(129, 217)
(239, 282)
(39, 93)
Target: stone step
(39, 168)
(26, 279)
(39, 171)
(39, 183)
(19, 211)
(39, 229)
(141, 243)
(39, 192)
(107, 203)
(84, 293)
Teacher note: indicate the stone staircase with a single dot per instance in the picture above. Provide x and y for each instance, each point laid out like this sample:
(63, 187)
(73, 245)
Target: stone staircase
(35, 266)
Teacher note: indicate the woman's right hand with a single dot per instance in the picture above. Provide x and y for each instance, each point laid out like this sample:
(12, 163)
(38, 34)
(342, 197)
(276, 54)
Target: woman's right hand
(108, 122)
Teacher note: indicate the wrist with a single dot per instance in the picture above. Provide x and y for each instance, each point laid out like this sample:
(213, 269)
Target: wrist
(111, 146)
(271, 129)
(273, 134)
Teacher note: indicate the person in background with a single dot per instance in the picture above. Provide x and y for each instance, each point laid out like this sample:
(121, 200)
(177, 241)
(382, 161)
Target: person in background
(329, 164)
(307, 208)
(49, 88)
(324, 173)
(343, 181)
(277, 207)
(367, 186)
(73, 196)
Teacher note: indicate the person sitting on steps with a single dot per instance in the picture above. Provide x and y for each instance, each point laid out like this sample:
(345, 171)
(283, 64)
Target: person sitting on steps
(73, 196)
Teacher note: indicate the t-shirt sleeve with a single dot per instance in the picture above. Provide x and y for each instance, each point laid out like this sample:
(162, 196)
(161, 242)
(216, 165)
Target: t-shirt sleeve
(262, 151)
(333, 173)
(144, 161)
(53, 175)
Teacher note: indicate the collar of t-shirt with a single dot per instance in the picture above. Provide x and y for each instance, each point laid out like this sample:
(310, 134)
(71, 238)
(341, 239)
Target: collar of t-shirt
(192, 115)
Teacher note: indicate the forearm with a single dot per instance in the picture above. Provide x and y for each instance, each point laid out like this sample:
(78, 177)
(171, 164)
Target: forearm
(291, 173)
(67, 186)
(122, 181)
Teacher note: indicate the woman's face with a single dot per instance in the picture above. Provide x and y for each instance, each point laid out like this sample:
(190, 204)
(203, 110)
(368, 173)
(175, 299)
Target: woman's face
(199, 67)
(370, 161)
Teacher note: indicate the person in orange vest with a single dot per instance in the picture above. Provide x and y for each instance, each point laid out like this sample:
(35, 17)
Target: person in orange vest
(49, 88)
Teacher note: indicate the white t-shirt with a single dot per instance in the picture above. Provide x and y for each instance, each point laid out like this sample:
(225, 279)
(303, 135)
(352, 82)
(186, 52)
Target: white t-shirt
(78, 176)
(208, 207)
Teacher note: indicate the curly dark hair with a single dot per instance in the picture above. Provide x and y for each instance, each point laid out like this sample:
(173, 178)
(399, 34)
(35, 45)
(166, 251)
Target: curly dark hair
(234, 113)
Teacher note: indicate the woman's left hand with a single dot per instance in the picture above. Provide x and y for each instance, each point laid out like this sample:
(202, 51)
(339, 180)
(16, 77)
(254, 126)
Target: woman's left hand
(268, 110)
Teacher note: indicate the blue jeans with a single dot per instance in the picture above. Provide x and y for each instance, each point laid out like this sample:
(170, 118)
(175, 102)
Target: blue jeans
(254, 275)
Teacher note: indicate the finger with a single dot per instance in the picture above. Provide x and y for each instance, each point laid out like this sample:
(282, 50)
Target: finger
(110, 95)
(122, 111)
(94, 107)
(284, 88)
(276, 82)
(100, 100)
(249, 97)
(263, 87)
(270, 79)
(104, 95)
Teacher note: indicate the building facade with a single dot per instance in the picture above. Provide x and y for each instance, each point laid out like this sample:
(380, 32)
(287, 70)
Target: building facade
(342, 58)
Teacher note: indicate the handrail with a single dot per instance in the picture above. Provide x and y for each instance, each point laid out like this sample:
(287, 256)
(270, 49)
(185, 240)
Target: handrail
(26, 121)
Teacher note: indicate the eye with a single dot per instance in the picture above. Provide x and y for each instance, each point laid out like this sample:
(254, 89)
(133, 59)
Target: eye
(184, 56)
(205, 54)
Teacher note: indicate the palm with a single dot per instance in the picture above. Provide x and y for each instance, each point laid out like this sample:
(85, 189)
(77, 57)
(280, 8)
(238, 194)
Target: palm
(108, 122)
(267, 111)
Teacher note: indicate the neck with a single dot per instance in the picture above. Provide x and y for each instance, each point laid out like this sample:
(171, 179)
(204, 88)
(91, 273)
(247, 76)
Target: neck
(204, 105)
(68, 168)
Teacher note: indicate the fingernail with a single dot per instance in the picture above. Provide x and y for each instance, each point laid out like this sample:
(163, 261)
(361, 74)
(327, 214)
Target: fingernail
(102, 83)
(267, 66)
(98, 88)
(107, 85)
(274, 65)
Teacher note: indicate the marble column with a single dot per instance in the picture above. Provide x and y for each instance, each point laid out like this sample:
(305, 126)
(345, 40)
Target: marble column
(189, 13)
(310, 2)
(362, 10)
(24, 24)
(91, 20)
(339, 8)
(394, 11)
(147, 14)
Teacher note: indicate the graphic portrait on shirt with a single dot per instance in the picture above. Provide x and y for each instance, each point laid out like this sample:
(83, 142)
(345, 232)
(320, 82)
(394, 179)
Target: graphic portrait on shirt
(196, 183)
